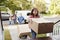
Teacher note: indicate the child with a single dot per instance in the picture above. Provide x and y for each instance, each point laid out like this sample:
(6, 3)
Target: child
(10, 20)
(34, 14)
(21, 19)
(14, 18)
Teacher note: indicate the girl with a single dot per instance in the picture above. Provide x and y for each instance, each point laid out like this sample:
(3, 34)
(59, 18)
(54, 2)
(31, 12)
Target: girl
(34, 14)
(10, 20)
(14, 18)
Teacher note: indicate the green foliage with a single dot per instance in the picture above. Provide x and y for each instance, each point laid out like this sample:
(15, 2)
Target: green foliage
(3, 8)
(2, 1)
(55, 7)
(40, 5)
(43, 12)
(16, 4)
(11, 5)
(24, 5)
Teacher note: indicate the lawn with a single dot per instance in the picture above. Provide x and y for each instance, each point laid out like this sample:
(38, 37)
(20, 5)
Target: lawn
(41, 35)
(7, 34)
(8, 37)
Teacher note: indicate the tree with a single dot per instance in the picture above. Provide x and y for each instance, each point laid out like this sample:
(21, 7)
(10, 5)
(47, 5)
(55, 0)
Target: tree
(16, 4)
(54, 7)
(12, 5)
(1, 1)
(25, 4)
(40, 5)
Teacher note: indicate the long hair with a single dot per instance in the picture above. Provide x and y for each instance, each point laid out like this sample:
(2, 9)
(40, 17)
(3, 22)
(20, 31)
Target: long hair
(33, 10)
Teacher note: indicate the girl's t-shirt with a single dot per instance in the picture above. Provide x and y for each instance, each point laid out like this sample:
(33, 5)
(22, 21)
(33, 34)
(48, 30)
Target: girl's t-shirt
(30, 20)
(34, 16)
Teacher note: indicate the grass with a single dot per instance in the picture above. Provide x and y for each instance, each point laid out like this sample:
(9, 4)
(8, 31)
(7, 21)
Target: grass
(7, 35)
(50, 14)
(47, 14)
(41, 35)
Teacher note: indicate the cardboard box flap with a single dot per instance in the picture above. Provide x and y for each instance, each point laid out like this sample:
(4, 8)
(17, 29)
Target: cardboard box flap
(41, 20)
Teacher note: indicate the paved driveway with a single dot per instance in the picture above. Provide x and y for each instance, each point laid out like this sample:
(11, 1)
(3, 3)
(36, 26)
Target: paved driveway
(55, 35)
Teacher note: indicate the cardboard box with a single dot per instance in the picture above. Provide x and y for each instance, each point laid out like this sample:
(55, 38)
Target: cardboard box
(41, 26)
(23, 29)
